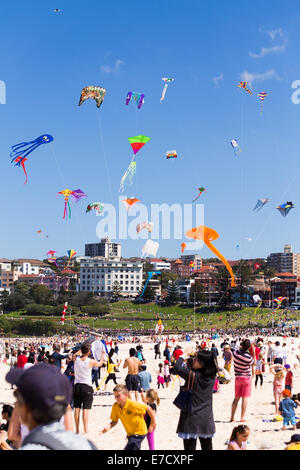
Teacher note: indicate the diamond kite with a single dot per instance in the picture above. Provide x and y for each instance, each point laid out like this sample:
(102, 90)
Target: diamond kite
(285, 208)
(201, 190)
(260, 203)
(136, 143)
(243, 85)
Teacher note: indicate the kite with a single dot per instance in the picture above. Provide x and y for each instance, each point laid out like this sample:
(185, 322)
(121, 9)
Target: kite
(138, 97)
(256, 266)
(150, 274)
(136, 143)
(260, 203)
(208, 235)
(71, 254)
(144, 225)
(94, 92)
(171, 154)
(130, 201)
(21, 151)
(97, 206)
(77, 194)
(167, 81)
(262, 96)
(41, 234)
(243, 85)
(284, 209)
(235, 146)
(201, 190)
(279, 301)
(150, 248)
(183, 247)
(51, 258)
(159, 327)
(257, 300)
(192, 266)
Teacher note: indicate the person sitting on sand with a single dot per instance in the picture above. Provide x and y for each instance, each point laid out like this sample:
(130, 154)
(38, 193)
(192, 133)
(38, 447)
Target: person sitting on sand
(238, 439)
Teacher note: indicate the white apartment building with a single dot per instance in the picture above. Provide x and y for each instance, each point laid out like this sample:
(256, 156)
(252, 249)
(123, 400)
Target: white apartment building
(159, 265)
(98, 275)
(196, 259)
(5, 264)
(28, 266)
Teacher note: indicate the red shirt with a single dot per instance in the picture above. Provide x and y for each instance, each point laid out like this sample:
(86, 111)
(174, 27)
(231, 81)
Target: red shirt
(22, 359)
(289, 378)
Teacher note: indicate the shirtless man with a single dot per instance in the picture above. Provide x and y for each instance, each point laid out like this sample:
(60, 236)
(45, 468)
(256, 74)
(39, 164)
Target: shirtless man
(132, 379)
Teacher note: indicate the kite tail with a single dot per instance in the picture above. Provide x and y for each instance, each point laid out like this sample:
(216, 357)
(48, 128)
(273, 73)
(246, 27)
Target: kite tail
(221, 257)
(196, 198)
(129, 173)
(23, 166)
(164, 92)
(69, 207)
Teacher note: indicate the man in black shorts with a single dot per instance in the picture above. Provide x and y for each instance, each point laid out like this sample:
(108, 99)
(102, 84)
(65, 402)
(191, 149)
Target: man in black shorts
(132, 379)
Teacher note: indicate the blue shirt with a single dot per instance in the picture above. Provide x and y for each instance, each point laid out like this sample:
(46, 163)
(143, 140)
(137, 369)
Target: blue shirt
(287, 407)
(145, 379)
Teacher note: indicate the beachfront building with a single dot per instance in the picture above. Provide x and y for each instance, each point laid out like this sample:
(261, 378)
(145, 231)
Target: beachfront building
(286, 262)
(98, 275)
(7, 280)
(160, 265)
(106, 249)
(184, 289)
(284, 285)
(28, 266)
(53, 282)
(207, 278)
(5, 264)
(182, 270)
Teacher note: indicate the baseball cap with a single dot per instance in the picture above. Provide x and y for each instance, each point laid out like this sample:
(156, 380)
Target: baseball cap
(42, 386)
(287, 366)
(294, 438)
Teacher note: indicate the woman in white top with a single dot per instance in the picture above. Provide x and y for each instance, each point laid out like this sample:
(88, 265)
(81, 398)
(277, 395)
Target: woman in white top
(83, 390)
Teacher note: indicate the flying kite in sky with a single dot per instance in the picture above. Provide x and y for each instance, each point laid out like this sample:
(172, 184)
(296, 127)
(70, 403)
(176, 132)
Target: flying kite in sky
(285, 208)
(144, 225)
(21, 151)
(262, 96)
(278, 301)
(76, 195)
(150, 248)
(130, 201)
(183, 247)
(167, 81)
(208, 235)
(71, 254)
(150, 274)
(171, 154)
(51, 258)
(260, 203)
(235, 146)
(96, 206)
(201, 190)
(243, 85)
(136, 142)
(41, 234)
(94, 92)
(138, 97)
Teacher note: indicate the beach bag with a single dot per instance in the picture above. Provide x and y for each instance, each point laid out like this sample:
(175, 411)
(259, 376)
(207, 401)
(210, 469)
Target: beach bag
(183, 401)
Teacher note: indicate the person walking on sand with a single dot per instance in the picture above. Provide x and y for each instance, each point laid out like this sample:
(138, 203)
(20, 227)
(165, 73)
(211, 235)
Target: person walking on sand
(83, 389)
(132, 379)
(244, 369)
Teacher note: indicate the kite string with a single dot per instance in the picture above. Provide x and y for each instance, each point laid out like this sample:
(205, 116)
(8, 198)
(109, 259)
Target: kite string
(105, 159)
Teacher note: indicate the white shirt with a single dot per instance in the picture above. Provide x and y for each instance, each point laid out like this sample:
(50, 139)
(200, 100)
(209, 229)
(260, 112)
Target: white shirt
(98, 349)
(83, 371)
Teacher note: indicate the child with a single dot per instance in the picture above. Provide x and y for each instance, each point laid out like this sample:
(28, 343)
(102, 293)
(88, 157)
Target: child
(167, 377)
(259, 369)
(238, 439)
(287, 409)
(150, 398)
(131, 414)
(111, 367)
(278, 384)
(216, 386)
(288, 378)
(160, 377)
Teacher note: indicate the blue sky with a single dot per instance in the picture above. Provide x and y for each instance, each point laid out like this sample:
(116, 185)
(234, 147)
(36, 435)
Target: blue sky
(47, 58)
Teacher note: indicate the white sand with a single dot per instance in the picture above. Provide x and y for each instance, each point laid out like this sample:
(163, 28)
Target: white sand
(260, 407)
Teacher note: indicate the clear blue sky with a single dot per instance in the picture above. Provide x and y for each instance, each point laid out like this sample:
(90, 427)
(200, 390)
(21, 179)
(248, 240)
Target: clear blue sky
(47, 58)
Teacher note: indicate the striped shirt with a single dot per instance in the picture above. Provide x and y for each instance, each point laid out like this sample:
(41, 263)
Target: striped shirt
(242, 361)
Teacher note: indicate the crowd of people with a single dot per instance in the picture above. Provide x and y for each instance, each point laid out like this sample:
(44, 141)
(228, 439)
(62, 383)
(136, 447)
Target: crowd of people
(55, 380)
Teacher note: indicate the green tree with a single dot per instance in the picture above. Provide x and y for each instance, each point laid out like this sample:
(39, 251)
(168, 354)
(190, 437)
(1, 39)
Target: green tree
(116, 290)
(40, 294)
(244, 276)
(197, 292)
(173, 293)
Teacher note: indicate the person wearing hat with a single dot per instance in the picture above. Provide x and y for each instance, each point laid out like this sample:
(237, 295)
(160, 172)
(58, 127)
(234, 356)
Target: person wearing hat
(294, 443)
(43, 395)
(227, 356)
(287, 408)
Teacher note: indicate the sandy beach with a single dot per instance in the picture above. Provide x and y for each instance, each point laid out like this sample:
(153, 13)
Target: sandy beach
(260, 408)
